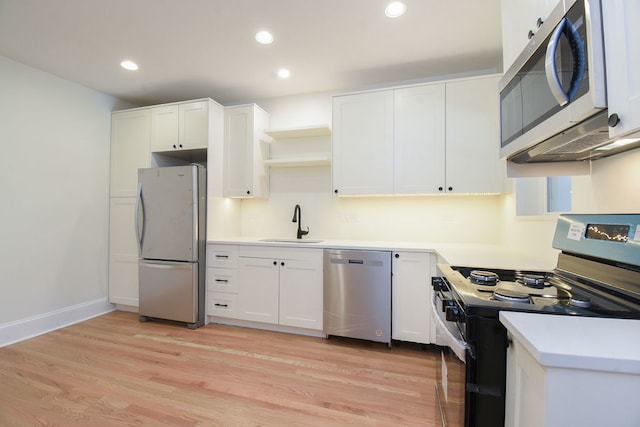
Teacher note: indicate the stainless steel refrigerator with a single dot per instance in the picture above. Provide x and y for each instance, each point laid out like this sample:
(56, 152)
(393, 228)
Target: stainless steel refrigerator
(170, 229)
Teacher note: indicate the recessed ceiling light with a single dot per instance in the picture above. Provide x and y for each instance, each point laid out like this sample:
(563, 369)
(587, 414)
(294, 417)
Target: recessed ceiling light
(283, 73)
(129, 65)
(395, 9)
(264, 37)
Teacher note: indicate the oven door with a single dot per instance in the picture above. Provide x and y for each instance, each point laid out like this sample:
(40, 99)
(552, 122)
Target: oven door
(450, 381)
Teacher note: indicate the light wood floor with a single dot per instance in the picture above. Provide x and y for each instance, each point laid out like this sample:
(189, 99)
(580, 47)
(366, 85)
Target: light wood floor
(113, 370)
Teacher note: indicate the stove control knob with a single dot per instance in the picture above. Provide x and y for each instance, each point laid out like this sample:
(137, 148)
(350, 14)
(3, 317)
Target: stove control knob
(446, 303)
(437, 283)
(454, 314)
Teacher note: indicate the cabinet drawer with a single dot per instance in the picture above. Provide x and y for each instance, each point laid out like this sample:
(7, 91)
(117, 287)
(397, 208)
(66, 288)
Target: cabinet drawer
(222, 280)
(222, 256)
(222, 305)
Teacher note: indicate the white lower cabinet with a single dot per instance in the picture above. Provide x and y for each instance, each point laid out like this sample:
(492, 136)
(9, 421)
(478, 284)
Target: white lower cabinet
(538, 394)
(301, 292)
(411, 296)
(272, 285)
(259, 282)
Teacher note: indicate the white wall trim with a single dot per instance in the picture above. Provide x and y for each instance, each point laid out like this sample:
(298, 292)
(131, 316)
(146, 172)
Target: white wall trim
(30, 327)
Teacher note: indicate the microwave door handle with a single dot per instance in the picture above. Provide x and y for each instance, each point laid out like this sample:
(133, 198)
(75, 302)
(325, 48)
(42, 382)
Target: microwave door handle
(550, 65)
(579, 58)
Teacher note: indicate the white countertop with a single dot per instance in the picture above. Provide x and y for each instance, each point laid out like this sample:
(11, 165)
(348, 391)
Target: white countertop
(472, 255)
(577, 342)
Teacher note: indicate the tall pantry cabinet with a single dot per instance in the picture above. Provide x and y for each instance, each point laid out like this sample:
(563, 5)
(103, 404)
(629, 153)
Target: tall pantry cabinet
(130, 142)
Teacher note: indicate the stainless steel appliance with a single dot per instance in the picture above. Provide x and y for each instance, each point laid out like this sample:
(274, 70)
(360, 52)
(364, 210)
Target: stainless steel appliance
(357, 294)
(597, 275)
(170, 229)
(553, 100)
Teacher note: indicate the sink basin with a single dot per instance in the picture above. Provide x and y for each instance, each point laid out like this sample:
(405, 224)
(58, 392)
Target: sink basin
(291, 240)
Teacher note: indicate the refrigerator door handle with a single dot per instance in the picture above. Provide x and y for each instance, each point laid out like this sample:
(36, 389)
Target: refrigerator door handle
(139, 228)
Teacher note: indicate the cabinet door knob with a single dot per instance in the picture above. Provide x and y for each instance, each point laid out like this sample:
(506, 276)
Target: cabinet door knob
(174, 146)
(397, 255)
(530, 35)
(440, 188)
(180, 145)
(282, 263)
(450, 188)
(539, 22)
(614, 119)
(248, 191)
(335, 191)
(275, 263)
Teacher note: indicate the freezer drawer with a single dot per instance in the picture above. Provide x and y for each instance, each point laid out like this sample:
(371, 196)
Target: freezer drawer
(169, 290)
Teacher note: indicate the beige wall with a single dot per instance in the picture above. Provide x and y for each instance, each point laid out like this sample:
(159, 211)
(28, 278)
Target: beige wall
(54, 173)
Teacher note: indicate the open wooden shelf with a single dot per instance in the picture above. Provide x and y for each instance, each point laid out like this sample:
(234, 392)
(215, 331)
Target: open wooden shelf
(299, 132)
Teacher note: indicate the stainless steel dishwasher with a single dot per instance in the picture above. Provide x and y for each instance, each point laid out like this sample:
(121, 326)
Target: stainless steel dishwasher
(357, 294)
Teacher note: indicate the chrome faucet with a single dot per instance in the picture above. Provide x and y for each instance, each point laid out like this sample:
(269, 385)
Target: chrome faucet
(297, 217)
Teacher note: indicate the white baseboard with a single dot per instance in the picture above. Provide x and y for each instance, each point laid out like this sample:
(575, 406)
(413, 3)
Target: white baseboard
(30, 327)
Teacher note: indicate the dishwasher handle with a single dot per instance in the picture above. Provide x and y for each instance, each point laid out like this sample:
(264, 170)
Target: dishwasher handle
(352, 261)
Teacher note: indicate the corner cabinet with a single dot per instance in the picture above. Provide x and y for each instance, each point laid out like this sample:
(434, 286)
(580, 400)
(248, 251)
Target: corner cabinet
(472, 156)
(245, 151)
(180, 126)
(411, 296)
(622, 44)
(427, 139)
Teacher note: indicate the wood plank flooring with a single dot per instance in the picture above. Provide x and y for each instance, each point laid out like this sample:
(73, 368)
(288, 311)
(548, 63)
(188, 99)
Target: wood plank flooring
(114, 370)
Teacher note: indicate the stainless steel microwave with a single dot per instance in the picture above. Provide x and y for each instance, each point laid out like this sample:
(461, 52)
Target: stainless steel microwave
(553, 103)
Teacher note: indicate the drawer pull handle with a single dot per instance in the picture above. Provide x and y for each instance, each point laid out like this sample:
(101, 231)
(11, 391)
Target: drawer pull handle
(221, 305)
(222, 281)
(222, 256)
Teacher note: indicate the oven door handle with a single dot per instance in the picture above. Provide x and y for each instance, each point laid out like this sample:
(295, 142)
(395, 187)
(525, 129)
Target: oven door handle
(458, 346)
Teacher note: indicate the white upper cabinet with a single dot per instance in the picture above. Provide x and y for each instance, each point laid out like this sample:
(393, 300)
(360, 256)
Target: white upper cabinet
(520, 18)
(129, 150)
(182, 126)
(362, 149)
(245, 173)
(419, 139)
(622, 44)
(427, 139)
(472, 158)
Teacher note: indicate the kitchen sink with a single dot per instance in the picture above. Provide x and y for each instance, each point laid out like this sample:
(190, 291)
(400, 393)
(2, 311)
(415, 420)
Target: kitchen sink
(290, 240)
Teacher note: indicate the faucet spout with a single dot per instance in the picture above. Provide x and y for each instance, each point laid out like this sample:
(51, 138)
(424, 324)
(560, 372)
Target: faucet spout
(297, 217)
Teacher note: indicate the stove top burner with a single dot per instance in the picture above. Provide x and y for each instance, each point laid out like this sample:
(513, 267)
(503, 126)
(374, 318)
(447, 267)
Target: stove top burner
(481, 277)
(535, 281)
(511, 296)
(580, 301)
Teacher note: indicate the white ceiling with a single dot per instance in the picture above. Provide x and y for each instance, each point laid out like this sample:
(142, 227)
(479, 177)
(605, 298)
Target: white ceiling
(205, 48)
